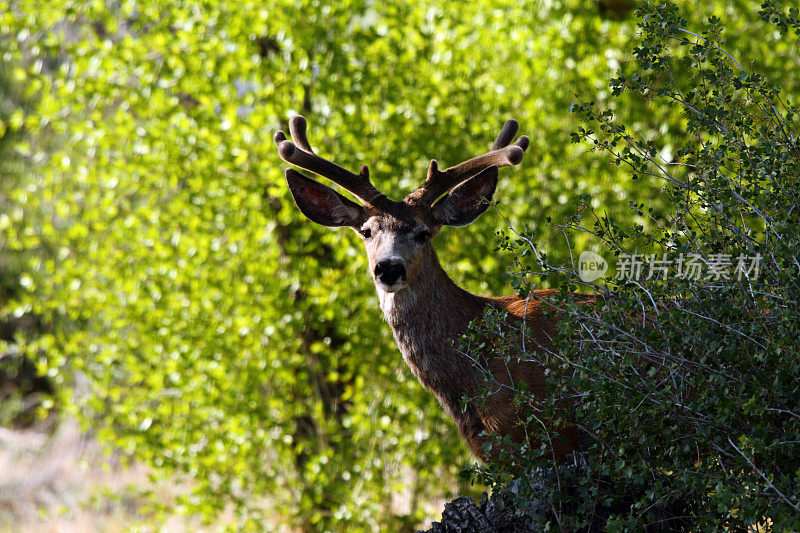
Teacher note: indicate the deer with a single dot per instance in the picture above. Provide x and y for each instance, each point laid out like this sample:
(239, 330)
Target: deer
(424, 307)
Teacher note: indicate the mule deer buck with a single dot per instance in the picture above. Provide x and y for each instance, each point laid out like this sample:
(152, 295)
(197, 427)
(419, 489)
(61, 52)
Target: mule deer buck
(424, 307)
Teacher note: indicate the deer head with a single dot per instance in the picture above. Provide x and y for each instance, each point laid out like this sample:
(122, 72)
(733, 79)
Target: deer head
(396, 233)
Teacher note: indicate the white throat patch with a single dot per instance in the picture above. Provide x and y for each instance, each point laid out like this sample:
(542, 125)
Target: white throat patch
(394, 303)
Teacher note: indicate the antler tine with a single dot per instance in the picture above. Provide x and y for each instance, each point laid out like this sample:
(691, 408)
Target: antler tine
(503, 154)
(303, 156)
(297, 127)
(506, 135)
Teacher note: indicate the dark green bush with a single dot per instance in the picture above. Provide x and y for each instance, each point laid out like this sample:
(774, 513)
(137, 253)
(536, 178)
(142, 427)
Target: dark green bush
(685, 381)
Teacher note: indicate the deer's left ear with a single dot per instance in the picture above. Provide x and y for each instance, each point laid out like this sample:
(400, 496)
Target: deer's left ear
(464, 203)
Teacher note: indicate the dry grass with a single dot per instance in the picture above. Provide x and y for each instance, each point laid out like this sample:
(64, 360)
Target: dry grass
(58, 480)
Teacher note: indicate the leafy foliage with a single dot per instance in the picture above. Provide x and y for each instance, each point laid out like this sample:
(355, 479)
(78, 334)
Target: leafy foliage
(684, 384)
(190, 315)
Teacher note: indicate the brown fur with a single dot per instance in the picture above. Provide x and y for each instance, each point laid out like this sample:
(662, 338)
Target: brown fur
(427, 315)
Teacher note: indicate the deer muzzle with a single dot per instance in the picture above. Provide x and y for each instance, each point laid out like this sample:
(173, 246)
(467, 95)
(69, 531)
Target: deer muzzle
(389, 272)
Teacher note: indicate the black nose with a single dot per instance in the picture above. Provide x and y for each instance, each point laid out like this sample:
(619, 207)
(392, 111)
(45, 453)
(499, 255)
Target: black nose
(389, 271)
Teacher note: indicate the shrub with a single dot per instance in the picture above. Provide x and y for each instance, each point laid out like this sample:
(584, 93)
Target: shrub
(685, 380)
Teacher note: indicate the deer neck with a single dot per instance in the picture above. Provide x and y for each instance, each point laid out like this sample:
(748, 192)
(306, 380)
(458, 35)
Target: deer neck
(425, 316)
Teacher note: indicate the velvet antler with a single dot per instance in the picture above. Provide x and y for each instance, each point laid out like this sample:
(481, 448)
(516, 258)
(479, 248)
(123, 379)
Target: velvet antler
(303, 156)
(503, 154)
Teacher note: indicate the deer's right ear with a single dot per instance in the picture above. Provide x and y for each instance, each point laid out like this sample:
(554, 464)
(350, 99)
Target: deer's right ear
(322, 204)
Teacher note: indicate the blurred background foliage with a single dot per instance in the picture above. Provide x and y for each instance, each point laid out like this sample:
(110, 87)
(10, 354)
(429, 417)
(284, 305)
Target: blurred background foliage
(156, 271)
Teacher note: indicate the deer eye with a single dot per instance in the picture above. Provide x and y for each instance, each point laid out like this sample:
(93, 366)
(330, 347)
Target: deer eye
(366, 233)
(422, 236)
